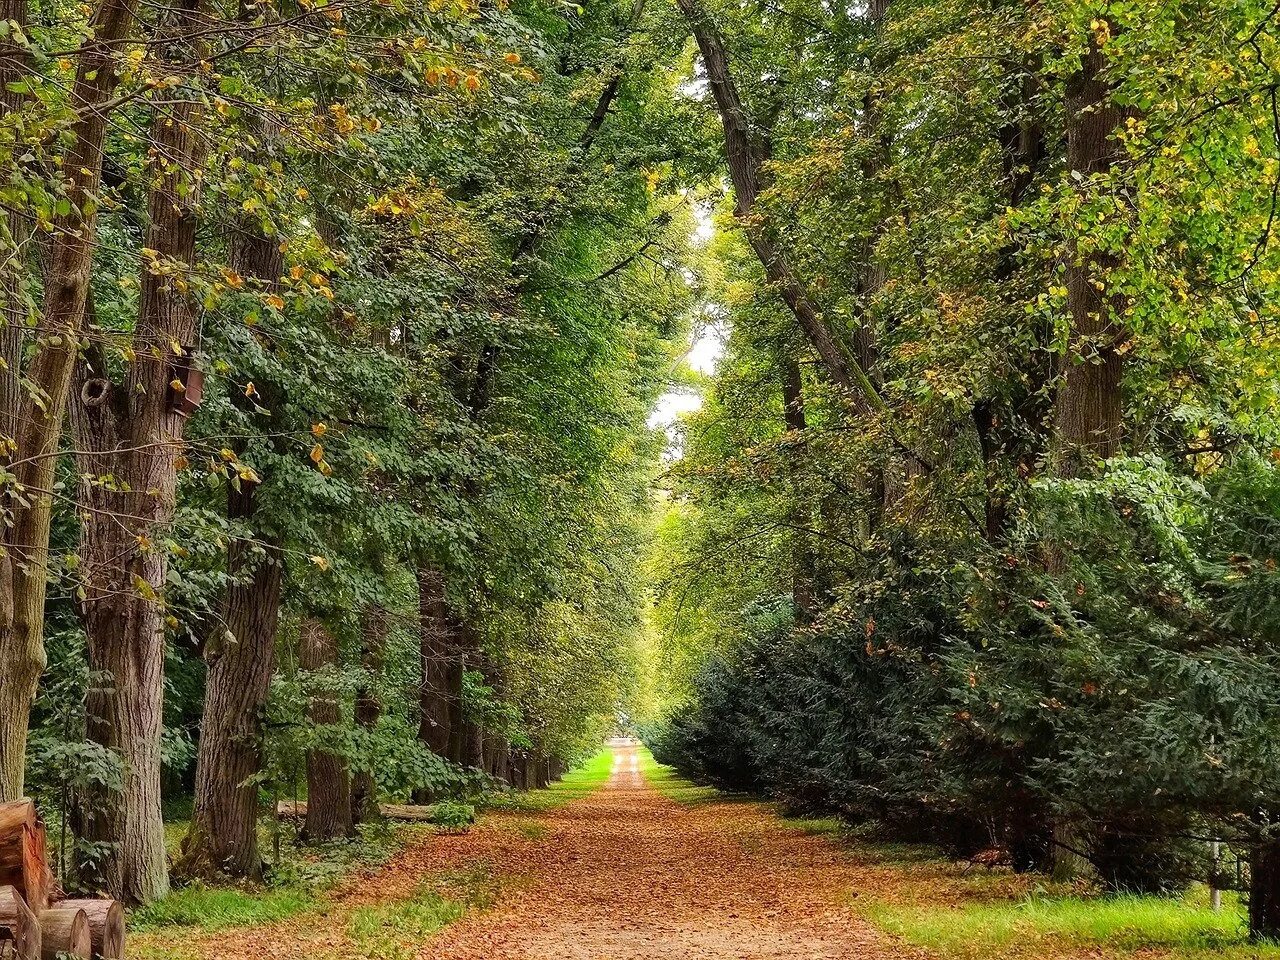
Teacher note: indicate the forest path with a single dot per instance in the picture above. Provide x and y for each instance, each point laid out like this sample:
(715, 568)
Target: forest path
(626, 873)
(621, 873)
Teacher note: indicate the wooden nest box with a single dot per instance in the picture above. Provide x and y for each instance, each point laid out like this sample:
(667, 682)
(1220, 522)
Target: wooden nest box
(186, 383)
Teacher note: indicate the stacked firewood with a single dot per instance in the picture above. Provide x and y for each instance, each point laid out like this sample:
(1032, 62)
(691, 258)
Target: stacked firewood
(37, 922)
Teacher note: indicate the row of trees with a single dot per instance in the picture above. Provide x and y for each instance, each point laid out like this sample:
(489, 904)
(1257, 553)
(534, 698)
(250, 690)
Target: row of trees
(331, 327)
(977, 531)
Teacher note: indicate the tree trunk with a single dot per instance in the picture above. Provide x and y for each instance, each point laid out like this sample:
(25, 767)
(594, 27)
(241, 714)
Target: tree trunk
(41, 412)
(368, 708)
(1089, 410)
(328, 776)
(1264, 892)
(132, 433)
(745, 154)
(439, 656)
(223, 837)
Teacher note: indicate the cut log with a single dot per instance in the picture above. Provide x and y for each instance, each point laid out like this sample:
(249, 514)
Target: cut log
(19, 929)
(106, 925)
(65, 931)
(295, 809)
(24, 862)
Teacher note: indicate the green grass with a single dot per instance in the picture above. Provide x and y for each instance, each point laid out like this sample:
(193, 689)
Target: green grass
(395, 931)
(671, 785)
(216, 908)
(578, 782)
(1044, 926)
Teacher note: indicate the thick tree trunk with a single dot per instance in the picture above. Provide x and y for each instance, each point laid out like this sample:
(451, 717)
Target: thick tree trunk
(328, 775)
(1264, 892)
(1089, 407)
(132, 433)
(1089, 413)
(223, 838)
(368, 708)
(40, 417)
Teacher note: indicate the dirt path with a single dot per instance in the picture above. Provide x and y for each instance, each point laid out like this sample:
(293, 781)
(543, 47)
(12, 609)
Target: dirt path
(623, 873)
(627, 874)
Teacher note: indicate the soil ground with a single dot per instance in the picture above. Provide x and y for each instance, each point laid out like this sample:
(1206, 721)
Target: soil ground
(628, 874)
(623, 873)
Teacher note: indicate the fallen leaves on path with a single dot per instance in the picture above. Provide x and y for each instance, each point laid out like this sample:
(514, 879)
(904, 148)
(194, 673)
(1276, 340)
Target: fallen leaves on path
(622, 874)
(627, 874)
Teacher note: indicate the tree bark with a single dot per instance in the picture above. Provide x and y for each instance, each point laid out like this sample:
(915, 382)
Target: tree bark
(328, 775)
(368, 709)
(1089, 413)
(42, 410)
(131, 433)
(223, 837)
(439, 648)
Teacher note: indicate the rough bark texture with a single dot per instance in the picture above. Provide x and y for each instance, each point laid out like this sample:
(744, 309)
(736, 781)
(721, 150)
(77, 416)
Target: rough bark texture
(39, 419)
(368, 708)
(223, 835)
(328, 776)
(1089, 408)
(131, 433)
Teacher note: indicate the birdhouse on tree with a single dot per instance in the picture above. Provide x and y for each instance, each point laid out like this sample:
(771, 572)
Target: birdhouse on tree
(186, 383)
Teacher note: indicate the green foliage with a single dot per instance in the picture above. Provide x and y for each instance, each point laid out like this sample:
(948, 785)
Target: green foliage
(1178, 928)
(209, 908)
(453, 817)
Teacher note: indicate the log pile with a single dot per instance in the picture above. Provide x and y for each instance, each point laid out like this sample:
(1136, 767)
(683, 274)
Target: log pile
(36, 921)
(297, 809)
